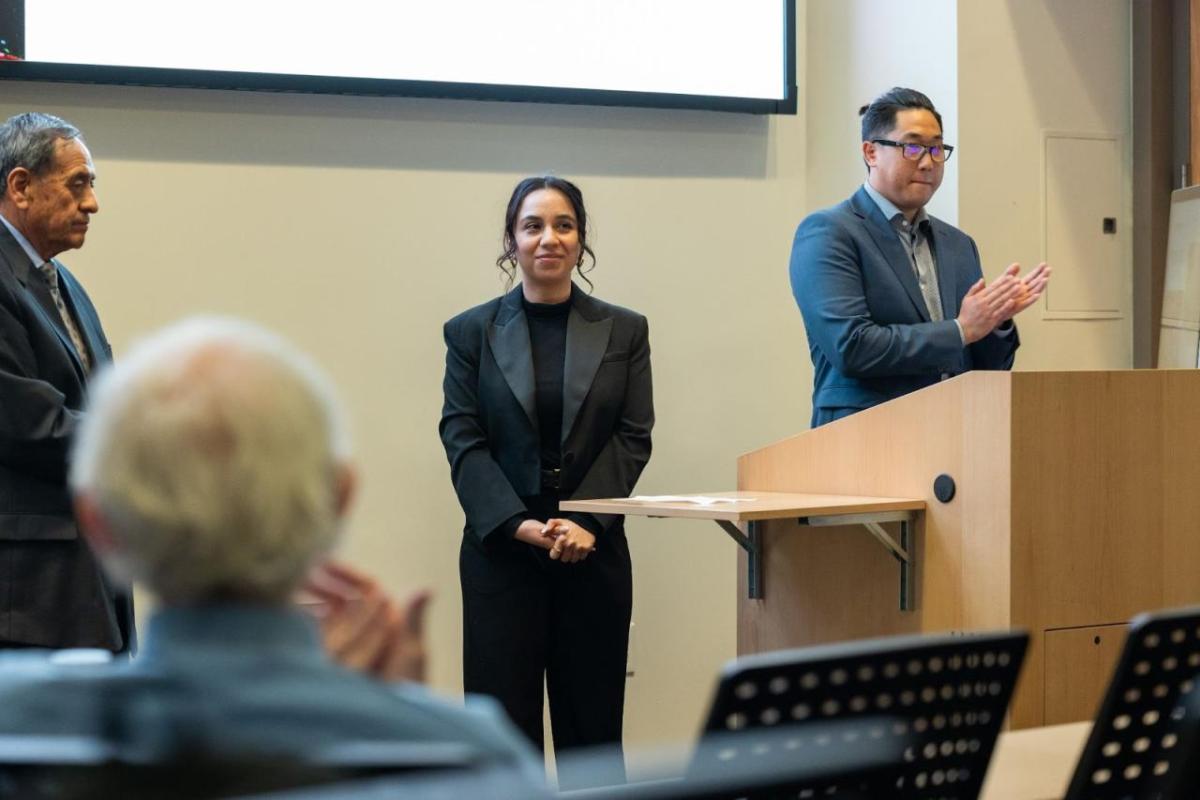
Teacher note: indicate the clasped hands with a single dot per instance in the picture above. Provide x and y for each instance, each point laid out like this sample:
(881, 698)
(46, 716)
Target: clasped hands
(566, 541)
(986, 306)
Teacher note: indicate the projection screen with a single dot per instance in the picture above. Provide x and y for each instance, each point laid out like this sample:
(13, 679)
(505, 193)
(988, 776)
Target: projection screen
(666, 53)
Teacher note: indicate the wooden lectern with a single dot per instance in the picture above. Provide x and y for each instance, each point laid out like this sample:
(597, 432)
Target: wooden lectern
(1077, 505)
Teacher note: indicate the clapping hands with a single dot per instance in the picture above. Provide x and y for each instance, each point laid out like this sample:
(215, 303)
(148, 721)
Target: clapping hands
(987, 306)
(362, 627)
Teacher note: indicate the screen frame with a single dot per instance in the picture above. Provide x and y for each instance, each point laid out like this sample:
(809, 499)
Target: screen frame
(321, 84)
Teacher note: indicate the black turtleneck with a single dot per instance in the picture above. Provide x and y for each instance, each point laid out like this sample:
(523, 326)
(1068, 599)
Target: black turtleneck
(548, 341)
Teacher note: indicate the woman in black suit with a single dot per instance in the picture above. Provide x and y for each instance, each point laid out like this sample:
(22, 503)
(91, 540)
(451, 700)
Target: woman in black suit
(547, 397)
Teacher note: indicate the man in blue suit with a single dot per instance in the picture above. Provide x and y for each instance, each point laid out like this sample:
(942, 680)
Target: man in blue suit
(894, 300)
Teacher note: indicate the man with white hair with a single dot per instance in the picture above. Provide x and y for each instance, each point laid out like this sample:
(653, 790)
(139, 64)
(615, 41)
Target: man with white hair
(213, 468)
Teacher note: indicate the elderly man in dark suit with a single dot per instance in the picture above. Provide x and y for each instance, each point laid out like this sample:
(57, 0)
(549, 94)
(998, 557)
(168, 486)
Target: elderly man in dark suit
(52, 592)
(893, 299)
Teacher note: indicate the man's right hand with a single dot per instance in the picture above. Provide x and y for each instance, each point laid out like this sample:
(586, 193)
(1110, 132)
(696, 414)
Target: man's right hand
(987, 305)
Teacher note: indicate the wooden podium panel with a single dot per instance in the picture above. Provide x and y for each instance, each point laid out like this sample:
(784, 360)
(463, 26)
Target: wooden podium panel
(1077, 504)
(1079, 665)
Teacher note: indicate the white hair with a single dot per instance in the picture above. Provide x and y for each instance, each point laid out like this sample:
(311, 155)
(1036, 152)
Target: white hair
(213, 450)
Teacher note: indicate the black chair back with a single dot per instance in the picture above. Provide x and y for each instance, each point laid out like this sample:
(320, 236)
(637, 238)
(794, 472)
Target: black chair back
(949, 695)
(759, 764)
(1146, 739)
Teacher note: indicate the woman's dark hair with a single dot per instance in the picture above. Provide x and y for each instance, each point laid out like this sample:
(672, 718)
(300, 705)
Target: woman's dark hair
(507, 262)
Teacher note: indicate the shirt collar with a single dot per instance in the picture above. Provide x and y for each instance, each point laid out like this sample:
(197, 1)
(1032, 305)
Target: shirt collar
(227, 630)
(34, 258)
(889, 208)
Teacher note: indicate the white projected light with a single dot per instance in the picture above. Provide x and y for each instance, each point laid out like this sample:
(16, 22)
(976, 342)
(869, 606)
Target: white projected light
(736, 51)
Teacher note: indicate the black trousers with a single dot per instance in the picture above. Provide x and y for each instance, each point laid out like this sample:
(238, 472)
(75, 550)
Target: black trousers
(527, 618)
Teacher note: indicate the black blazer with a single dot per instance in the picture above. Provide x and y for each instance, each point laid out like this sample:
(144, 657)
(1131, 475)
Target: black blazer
(52, 591)
(489, 420)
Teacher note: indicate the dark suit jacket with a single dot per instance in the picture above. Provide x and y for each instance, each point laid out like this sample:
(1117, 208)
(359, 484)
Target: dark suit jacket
(869, 331)
(52, 591)
(489, 420)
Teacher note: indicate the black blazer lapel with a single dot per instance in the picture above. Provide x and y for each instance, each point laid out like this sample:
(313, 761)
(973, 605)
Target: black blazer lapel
(893, 251)
(36, 285)
(85, 317)
(508, 337)
(53, 320)
(587, 340)
(23, 271)
(14, 254)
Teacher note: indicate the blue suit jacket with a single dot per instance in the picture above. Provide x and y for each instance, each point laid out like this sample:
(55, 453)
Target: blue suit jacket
(869, 332)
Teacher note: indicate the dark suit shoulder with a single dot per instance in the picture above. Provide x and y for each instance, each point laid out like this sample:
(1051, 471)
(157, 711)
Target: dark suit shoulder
(836, 217)
(474, 319)
(946, 229)
(8, 278)
(602, 308)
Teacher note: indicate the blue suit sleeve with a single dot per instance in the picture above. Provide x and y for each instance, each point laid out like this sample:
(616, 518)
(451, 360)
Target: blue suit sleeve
(828, 282)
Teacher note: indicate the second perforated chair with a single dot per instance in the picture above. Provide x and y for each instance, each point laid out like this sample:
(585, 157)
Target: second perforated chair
(1145, 743)
(947, 696)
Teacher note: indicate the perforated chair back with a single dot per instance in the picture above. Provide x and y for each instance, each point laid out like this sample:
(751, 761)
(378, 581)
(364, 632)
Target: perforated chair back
(1145, 743)
(773, 772)
(949, 695)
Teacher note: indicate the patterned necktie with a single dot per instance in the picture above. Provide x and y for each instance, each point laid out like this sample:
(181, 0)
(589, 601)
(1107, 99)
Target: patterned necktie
(49, 271)
(915, 238)
(926, 273)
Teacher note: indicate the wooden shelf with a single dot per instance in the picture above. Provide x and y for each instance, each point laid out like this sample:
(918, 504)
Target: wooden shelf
(753, 506)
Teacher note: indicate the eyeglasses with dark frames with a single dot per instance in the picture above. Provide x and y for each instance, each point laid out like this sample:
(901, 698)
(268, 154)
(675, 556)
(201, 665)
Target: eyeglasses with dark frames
(912, 151)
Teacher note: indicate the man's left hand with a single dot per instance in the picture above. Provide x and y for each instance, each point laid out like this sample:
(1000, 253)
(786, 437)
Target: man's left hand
(1032, 286)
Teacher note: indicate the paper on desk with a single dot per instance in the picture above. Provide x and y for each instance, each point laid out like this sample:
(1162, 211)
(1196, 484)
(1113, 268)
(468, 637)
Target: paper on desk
(693, 499)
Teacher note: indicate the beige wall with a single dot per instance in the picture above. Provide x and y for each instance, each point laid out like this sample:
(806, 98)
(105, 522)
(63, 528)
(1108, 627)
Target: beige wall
(860, 49)
(1002, 73)
(1026, 68)
(356, 226)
